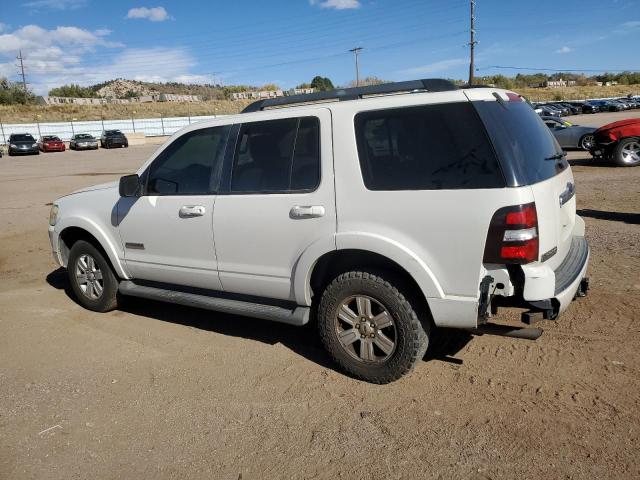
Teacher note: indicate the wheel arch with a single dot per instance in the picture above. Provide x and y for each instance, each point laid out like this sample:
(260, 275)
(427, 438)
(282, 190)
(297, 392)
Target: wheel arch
(84, 230)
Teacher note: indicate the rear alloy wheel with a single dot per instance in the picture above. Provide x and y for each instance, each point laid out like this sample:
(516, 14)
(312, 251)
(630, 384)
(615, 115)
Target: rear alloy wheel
(370, 328)
(627, 152)
(92, 279)
(586, 142)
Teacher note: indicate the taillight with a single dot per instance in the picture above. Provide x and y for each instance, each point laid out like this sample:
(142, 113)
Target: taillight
(513, 235)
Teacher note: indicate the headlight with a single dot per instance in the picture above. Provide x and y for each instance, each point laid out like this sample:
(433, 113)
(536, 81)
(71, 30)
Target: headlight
(53, 215)
(13, 145)
(34, 145)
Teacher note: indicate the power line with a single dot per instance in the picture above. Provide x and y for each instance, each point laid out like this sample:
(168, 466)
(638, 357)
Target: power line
(577, 70)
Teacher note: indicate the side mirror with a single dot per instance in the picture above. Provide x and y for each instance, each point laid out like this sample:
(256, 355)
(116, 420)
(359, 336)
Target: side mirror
(130, 186)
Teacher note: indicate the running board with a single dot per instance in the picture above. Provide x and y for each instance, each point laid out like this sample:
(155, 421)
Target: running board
(297, 316)
(507, 331)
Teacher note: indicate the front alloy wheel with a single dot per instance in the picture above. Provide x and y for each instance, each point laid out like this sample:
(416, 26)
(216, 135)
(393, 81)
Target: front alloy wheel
(627, 152)
(586, 142)
(92, 279)
(89, 277)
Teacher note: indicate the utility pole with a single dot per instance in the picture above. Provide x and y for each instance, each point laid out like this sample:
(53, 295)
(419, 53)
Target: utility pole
(356, 51)
(472, 42)
(24, 81)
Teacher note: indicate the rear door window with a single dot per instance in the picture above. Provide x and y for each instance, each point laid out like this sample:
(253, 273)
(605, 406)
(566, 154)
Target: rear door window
(277, 156)
(428, 147)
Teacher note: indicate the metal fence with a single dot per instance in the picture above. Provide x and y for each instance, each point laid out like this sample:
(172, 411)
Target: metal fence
(151, 127)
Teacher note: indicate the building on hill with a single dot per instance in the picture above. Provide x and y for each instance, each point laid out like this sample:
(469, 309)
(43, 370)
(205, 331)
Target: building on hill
(46, 100)
(172, 97)
(157, 97)
(557, 83)
(264, 94)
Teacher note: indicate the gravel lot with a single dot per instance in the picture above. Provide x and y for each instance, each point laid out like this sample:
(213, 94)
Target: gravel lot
(160, 391)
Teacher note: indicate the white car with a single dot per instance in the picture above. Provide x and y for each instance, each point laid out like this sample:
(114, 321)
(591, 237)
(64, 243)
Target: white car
(379, 212)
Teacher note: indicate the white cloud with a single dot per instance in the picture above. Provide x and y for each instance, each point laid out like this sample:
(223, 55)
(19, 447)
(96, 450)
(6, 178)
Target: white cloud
(632, 25)
(154, 14)
(3, 27)
(32, 38)
(436, 67)
(337, 4)
(55, 4)
(564, 49)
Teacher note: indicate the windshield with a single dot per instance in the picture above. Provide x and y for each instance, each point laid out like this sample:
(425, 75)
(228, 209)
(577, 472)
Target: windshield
(22, 138)
(51, 139)
(113, 132)
(83, 135)
(526, 148)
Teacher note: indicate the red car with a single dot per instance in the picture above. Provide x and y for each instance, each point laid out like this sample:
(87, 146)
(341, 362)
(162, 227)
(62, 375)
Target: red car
(618, 142)
(51, 143)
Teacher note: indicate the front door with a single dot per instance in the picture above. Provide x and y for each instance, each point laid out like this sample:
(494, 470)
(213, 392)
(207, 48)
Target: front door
(167, 233)
(278, 200)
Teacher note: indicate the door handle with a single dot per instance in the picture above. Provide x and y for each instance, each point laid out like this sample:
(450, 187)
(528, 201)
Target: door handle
(306, 211)
(189, 211)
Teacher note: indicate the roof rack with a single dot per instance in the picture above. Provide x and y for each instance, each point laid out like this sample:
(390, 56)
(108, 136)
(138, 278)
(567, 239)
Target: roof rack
(341, 94)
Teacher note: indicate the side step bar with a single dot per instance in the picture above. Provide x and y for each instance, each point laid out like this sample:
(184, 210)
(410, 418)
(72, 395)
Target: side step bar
(297, 316)
(507, 331)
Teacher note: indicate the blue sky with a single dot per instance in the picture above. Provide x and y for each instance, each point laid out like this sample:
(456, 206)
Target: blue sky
(288, 42)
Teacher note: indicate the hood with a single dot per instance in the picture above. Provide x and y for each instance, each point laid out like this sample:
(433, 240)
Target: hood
(102, 186)
(620, 129)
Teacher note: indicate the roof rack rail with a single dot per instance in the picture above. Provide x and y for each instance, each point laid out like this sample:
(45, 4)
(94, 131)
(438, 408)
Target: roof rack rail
(341, 94)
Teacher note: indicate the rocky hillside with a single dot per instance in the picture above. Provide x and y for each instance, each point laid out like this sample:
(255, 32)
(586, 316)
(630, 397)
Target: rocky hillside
(121, 88)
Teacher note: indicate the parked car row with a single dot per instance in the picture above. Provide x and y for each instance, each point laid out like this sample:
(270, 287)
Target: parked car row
(26, 144)
(561, 109)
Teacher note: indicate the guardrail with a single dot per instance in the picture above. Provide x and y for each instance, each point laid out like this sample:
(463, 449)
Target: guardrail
(150, 127)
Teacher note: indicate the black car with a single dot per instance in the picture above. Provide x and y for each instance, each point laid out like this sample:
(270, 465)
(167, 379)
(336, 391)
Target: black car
(23, 144)
(608, 106)
(586, 107)
(573, 110)
(113, 138)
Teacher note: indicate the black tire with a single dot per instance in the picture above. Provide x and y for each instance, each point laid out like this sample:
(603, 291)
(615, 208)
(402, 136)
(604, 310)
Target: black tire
(622, 156)
(108, 298)
(410, 334)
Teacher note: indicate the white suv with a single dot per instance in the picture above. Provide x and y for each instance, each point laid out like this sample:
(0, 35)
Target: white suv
(378, 212)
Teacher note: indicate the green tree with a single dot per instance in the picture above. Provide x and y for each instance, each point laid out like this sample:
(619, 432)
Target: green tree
(72, 90)
(322, 84)
(12, 93)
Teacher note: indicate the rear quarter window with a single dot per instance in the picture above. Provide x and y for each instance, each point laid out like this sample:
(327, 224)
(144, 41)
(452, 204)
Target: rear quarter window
(430, 147)
(523, 142)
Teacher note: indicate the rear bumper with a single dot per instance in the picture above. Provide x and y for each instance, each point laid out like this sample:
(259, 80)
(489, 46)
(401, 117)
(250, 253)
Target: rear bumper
(552, 291)
(544, 292)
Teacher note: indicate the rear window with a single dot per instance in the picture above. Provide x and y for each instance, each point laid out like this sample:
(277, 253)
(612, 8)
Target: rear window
(428, 147)
(22, 138)
(523, 143)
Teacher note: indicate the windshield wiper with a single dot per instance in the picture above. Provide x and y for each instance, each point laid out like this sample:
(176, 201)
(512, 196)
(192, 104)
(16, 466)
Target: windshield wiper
(557, 156)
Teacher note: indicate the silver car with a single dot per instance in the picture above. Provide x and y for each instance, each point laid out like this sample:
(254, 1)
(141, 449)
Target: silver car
(569, 135)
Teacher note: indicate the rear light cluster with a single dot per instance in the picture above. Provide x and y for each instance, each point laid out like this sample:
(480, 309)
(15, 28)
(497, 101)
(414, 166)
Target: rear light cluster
(513, 235)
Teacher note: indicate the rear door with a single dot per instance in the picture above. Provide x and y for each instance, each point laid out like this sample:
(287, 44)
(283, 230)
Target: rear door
(278, 201)
(530, 156)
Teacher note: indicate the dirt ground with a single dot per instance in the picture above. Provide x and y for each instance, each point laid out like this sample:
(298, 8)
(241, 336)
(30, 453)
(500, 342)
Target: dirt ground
(160, 391)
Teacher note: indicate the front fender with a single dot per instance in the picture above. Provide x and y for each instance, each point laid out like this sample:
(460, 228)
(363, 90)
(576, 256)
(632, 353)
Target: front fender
(110, 245)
